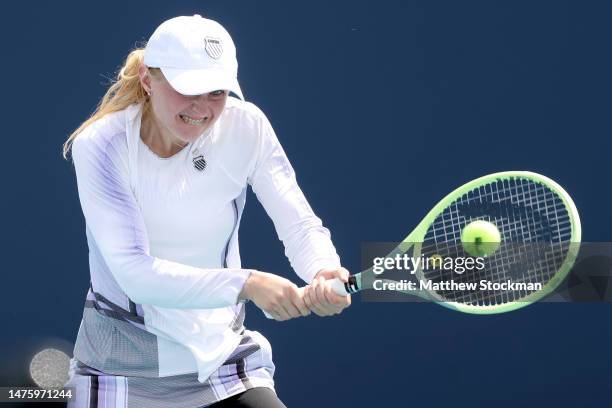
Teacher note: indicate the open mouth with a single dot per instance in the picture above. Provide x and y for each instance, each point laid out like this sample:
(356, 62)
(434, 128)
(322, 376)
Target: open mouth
(192, 121)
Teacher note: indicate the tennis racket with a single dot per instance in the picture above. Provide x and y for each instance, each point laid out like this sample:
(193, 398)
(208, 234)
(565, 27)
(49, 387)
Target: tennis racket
(539, 228)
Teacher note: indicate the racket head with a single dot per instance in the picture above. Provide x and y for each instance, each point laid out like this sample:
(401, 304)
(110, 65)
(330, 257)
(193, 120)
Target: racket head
(529, 209)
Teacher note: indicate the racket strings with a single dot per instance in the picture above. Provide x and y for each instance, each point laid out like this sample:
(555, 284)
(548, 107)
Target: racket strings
(535, 227)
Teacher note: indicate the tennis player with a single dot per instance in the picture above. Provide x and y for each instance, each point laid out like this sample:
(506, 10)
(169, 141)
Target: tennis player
(162, 170)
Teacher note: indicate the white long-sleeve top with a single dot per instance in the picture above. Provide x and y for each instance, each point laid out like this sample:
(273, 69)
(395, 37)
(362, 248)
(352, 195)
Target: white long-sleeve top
(164, 235)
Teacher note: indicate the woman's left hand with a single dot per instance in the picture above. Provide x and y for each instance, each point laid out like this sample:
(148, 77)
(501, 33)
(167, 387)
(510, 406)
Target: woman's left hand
(321, 298)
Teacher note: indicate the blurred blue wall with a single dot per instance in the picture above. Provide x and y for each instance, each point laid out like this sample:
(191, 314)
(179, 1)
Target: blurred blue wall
(383, 107)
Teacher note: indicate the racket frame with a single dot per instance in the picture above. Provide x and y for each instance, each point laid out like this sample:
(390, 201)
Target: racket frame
(417, 236)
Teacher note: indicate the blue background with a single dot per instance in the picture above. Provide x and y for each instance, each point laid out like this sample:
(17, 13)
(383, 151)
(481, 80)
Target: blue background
(383, 107)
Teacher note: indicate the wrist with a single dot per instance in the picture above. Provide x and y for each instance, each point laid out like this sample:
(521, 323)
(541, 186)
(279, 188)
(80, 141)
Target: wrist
(247, 288)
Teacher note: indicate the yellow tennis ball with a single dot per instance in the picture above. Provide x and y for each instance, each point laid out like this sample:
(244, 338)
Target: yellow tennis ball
(480, 238)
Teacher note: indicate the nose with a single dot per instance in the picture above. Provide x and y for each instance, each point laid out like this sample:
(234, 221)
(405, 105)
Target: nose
(200, 102)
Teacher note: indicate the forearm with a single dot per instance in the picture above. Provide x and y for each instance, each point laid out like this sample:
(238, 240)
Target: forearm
(163, 283)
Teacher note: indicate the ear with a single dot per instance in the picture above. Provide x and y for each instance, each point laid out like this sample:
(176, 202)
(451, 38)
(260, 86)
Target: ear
(145, 77)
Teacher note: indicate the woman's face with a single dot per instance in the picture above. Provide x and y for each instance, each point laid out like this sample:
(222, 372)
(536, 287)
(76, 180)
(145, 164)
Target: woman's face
(181, 118)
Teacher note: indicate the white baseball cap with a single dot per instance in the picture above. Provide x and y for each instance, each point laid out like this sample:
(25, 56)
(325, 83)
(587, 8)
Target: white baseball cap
(195, 54)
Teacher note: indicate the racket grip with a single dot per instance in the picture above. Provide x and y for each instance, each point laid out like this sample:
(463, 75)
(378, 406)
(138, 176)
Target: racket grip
(338, 286)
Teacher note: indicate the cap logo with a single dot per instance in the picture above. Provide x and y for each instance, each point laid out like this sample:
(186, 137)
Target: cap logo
(213, 47)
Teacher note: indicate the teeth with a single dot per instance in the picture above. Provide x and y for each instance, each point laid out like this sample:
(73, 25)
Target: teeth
(192, 121)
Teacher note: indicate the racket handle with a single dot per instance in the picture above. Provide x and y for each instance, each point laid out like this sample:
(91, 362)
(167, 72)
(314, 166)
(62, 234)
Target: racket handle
(338, 286)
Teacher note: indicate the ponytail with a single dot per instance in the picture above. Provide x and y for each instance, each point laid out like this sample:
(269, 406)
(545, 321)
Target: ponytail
(124, 91)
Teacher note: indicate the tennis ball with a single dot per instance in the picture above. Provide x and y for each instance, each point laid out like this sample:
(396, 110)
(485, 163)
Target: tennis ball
(480, 238)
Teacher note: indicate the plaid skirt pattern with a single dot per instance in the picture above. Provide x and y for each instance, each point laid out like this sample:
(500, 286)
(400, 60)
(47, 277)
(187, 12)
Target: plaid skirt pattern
(249, 366)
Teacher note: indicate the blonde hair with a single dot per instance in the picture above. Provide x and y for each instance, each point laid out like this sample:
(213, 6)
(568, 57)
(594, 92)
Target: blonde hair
(124, 91)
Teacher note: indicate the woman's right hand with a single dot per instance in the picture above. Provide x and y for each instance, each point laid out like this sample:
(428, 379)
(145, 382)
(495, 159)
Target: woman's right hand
(277, 296)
